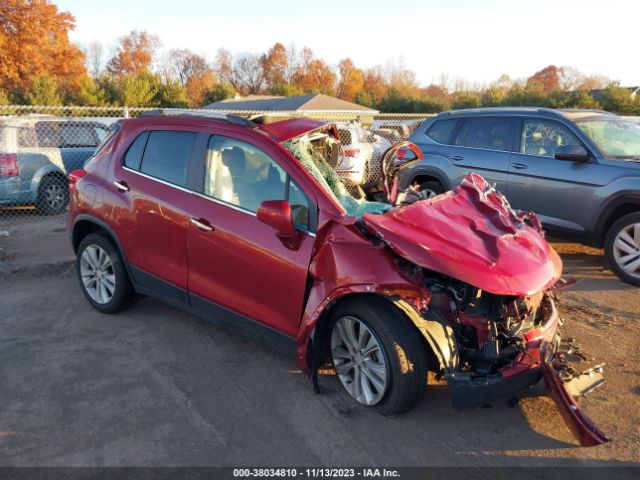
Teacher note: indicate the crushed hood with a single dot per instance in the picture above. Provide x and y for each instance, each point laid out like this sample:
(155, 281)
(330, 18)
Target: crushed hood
(471, 234)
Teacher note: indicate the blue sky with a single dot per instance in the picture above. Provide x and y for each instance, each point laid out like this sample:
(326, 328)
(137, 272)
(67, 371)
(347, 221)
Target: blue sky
(473, 40)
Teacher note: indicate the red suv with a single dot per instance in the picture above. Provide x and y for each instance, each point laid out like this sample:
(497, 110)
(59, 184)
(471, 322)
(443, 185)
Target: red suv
(245, 222)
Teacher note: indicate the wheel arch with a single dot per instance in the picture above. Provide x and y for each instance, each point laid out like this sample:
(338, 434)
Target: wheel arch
(85, 225)
(612, 212)
(429, 175)
(438, 338)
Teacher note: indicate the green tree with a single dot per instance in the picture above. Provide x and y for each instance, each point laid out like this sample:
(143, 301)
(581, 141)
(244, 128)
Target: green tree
(90, 93)
(618, 100)
(136, 91)
(365, 98)
(493, 96)
(286, 90)
(4, 98)
(170, 93)
(221, 91)
(43, 91)
(466, 100)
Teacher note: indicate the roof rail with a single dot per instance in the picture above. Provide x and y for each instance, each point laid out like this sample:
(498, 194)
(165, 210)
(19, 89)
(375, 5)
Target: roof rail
(223, 117)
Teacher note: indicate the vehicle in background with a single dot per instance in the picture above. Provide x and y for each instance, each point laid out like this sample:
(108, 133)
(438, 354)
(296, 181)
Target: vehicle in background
(360, 153)
(36, 155)
(245, 222)
(402, 128)
(579, 170)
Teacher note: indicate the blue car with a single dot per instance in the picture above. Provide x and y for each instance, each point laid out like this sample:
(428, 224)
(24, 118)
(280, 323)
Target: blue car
(36, 155)
(579, 170)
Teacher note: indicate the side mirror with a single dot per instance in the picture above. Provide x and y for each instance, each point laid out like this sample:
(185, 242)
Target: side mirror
(277, 214)
(572, 153)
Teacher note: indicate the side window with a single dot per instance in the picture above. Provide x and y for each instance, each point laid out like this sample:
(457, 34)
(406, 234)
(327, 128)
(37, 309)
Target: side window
(27, 137)
(442, 131)
(543, 137)
(490, 133)
(299, 206)
(167, 155)
(77, 136)
(241, 174)
(133, 157)
(48, 134)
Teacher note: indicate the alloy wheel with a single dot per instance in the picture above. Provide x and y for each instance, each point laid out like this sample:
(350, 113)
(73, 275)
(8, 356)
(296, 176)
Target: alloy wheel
(626, 249)
(359, 360)
(54, 196)
(98, 277)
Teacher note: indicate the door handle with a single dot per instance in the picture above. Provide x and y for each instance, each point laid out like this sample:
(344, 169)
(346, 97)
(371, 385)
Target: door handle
(457, 158)
(202, 224)
(519, 166)
(121, 186)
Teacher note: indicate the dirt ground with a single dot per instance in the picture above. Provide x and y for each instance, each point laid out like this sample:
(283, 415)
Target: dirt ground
(156, 386)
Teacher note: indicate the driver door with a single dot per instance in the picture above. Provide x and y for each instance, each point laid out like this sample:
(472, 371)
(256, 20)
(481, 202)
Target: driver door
(554, 189)
(236, 261)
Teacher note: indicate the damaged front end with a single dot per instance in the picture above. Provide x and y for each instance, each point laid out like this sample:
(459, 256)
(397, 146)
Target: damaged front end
(491, 279)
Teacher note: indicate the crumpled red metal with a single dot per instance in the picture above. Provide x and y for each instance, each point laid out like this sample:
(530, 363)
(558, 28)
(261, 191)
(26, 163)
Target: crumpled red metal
(472, 234)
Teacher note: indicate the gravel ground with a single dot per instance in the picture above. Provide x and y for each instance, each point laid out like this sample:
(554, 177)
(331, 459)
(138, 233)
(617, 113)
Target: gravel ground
(156, 386)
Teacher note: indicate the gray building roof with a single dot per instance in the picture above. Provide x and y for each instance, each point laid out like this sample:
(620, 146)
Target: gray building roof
(303, 103)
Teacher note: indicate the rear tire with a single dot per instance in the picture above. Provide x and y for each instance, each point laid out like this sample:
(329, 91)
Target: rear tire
(53, 195)
(433, 187)
(102, 274)
(622, 248)
(400, 351)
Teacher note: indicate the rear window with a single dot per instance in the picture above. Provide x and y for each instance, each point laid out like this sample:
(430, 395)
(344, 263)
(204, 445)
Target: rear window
(442, 131)
(166, 156)
(490, 133)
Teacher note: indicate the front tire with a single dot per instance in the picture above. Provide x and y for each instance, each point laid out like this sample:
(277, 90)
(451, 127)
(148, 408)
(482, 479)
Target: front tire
(622, 248)
(432, 188)
(102, 274)
(379, 356)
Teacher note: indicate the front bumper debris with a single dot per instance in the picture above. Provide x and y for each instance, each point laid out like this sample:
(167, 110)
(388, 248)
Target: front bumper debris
(564, 383)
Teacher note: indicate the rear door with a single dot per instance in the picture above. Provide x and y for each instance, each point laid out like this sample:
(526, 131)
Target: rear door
(236, 261)
(483, 145)
(150, 210)
(552, 188)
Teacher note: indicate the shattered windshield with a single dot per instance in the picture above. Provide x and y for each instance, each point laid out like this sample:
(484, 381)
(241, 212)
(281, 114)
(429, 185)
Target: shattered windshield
(616, 138)
(327, 177)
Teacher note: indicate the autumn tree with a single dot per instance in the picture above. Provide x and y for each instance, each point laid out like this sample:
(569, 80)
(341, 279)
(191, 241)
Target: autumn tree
(185, 64)
(351, 80)
(34, 42)
(134, 54)
(313, 75)
(401, 78)
(275, 66)
(548, 78)
(198, 85)
(375, 85)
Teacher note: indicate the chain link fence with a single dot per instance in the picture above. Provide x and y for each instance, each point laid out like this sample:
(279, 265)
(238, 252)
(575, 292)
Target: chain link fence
(40, 145)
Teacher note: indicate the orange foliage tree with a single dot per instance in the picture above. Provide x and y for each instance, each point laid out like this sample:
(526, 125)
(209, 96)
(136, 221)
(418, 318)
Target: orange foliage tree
(548, 79)
(134, 54)
(351, 80)
(34, 42)
(313, 75)
(275, 64)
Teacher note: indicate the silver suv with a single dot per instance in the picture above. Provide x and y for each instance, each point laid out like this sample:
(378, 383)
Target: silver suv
(579, 170)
